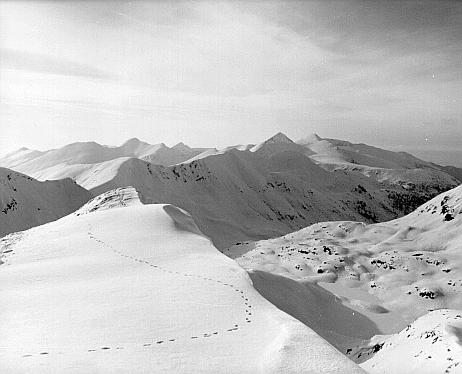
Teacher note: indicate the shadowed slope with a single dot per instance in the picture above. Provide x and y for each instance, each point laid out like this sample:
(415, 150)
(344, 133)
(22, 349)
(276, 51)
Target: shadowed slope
(26, 202)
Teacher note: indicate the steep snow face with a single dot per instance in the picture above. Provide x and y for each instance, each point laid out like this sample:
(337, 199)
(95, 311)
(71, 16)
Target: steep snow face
(407, 266)
(240, 195)
(138, 289)
(432, 344)
(26, 202)
(317, 308)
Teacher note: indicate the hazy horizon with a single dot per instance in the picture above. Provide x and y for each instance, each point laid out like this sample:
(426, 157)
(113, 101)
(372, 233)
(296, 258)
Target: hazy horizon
(218, 73)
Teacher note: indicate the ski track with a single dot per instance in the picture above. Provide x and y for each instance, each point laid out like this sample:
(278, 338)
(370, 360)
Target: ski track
(166, 340)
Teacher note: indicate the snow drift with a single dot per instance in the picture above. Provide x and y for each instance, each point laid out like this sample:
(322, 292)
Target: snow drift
(136, 289)
(391, 273)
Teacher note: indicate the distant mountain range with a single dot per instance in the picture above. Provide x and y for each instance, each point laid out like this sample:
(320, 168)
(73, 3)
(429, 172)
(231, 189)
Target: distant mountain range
(249, 192)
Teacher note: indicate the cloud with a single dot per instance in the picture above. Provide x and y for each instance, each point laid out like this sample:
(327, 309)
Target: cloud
(352, 69)
(38, 63)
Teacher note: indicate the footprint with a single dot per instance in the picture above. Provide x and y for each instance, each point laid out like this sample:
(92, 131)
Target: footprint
(159, 342)
(105, 348)
(27, 356)
(43, 353)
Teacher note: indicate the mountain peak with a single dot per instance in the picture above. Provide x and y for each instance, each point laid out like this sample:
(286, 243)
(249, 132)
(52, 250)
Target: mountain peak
(279, 138)
(181, 147)
(132, 141)
(311, 138)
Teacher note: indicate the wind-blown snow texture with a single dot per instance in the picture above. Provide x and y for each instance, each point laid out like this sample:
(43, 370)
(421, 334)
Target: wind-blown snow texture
(184, 303)
(137, 289)
(432, 344)
(392, 273)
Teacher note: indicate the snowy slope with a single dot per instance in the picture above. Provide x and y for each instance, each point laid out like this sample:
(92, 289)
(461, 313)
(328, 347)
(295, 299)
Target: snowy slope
(244, 192)
(432, 344)
(398, 168)
(138, 289)
(278, 143)
(334, 151)
(171, 156)
(26, 202)
(392, 272)
(239, 196)
(406, 180)
(270, 190)
(80, 160)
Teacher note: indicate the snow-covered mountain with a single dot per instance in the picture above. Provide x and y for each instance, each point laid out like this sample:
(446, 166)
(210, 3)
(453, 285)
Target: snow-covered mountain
(26, 202)
(249, 192)
(80, 160)
(239, 195)
(367, 289)
(397, 168)
(341, 152)
(391, 273)
(124, 287)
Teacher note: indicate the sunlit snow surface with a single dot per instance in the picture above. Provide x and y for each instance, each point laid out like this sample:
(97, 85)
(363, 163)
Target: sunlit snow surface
(392, 273)
(136, 289)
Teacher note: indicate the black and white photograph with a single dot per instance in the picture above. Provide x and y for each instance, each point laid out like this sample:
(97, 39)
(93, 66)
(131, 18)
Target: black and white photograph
(230, 187)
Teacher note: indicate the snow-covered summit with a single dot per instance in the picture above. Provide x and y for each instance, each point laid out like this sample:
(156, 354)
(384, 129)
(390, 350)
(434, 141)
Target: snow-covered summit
(81, 160)
(276, 144)
(310, 139)
(277, 139)
(181, 147)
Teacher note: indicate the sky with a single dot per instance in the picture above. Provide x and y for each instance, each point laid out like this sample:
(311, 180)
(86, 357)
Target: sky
(386, 73)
